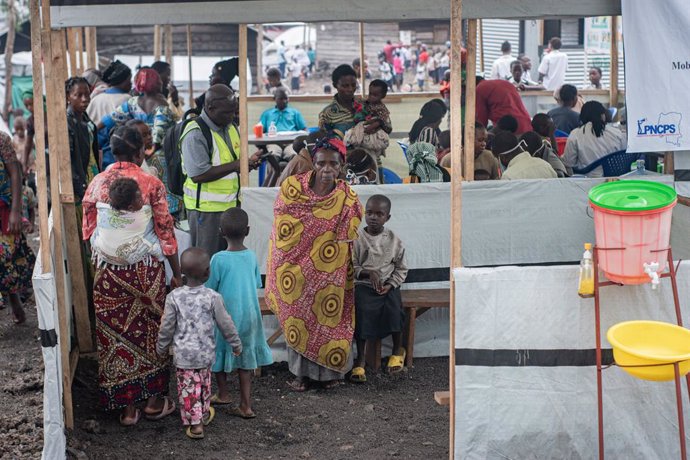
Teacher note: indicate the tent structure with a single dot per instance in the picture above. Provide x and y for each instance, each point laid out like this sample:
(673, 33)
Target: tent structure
(50, 19)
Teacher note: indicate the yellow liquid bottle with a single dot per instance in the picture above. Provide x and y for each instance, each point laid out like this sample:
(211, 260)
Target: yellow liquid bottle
(586, 287)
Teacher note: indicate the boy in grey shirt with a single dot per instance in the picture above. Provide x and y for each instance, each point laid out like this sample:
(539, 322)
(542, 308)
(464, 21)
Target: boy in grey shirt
(188, 324)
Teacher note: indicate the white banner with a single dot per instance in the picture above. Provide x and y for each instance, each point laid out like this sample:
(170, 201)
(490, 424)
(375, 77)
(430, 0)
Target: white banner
(598, 35)
(657, 70)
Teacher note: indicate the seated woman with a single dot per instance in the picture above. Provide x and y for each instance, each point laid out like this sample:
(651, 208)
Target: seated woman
(339, 116)
(541, 148)
(593, 140)
(423, 166)
(426, 128)
(360, 168)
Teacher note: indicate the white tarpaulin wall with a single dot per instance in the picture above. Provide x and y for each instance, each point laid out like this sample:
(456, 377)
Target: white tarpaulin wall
(526, 373)
(657, 75)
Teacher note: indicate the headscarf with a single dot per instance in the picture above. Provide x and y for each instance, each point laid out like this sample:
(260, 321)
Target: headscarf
(423, 163)
(333, 144)
(431, 112)
(147, 81)
(227, 70)
(116, 73)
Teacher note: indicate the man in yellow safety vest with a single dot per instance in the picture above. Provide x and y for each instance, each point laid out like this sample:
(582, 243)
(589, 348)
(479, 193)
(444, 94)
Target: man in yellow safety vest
(213, 183)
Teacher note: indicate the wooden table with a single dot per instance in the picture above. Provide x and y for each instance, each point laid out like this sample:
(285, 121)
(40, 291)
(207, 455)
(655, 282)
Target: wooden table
(282, 139)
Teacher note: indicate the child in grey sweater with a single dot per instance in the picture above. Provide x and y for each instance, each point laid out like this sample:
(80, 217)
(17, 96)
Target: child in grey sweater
(188, 324)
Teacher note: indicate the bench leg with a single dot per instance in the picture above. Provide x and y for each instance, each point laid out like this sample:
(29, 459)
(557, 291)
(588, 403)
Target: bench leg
(410, 336)
(373, 354)
(274, 336)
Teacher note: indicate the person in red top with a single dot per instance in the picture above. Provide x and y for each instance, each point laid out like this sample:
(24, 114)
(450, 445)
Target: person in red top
(388, 50)
(496, 98)
(423, 56)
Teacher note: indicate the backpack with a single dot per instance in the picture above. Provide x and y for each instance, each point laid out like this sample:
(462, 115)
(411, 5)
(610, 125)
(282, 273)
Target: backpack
(173, 153)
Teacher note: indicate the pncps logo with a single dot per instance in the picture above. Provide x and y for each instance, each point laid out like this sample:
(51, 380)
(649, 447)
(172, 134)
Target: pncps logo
(666, 125)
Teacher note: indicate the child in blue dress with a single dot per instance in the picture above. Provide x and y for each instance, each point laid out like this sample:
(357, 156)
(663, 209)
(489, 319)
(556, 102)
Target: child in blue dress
(235, 275)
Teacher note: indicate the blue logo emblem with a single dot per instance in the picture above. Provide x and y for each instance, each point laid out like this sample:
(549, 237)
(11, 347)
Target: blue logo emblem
(666, 126)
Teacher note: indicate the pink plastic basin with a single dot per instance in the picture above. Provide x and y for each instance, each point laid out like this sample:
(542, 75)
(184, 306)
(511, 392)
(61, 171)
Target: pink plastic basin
(626, 240)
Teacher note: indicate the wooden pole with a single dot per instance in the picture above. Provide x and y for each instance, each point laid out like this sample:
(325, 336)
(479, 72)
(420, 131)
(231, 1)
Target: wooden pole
(9, 51)
(90, 39)
(39, 139)
(72, 51)
(169, 49)
(362, 66)
(455, 194)
(58, 140)
(481, 46)
(259, 57)
(80, 50)
(189, 67)
(470, 98)
(613, 94)
(156, 43)
(244, 129)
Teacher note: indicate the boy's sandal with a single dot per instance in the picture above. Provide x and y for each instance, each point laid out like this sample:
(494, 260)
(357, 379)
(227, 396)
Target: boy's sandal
(396, 362)
(133, 421)
(168, 408)
(358, 375)
(194, 435)
(237, 412)
(215, 399)
(209, 417)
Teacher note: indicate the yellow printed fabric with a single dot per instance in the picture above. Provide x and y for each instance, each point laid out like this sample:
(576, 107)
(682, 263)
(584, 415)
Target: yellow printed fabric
(309, 282)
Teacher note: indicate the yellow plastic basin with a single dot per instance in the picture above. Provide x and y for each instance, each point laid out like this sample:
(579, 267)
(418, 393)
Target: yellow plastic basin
(652, 344)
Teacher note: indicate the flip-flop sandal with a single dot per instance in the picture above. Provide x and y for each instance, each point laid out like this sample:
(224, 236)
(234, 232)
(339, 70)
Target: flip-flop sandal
(19, 318)
(193, 435)
(238, 413)
(209, 418)
(358, 375)
(331, 384)
(396, 363)
(131, 422)
(215, 400)
(167, 410)
(299, 387)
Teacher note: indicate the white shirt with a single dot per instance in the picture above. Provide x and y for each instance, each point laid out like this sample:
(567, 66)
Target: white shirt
(500, 70)
(584, 147)
(553, 66)
(386, 71)
(445, 60)
(421, 72)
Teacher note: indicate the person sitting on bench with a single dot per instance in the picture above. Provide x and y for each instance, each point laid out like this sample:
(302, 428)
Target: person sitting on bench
(379, 263)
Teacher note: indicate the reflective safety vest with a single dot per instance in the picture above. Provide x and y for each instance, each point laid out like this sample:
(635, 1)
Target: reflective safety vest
(221, 194)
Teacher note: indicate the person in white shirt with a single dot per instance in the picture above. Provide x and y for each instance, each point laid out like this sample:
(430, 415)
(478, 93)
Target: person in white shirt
(500, 70)
(553, 66)
(593, 140)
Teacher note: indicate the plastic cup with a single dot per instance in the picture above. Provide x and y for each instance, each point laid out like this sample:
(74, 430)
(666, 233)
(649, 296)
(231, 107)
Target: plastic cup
(258, 131)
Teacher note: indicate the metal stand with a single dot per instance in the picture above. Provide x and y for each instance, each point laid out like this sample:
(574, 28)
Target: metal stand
(671, 273)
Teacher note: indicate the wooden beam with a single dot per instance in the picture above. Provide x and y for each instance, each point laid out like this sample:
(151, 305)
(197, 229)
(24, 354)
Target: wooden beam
(9, 51)
(169, 49)
(613, 98)
(481, 46)
(189, 67)
(72, 51)
(470, 98)
(669, 167)
(90, 39)
(259, 57)
(53, 45)
(455, 194)
(80, 50)
(442, 398)
(156, 43)
(362, 67)
(244, 129)
(39, 139)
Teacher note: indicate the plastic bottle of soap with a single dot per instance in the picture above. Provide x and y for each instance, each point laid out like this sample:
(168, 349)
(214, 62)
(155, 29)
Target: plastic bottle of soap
(586, 287)
(272, 130)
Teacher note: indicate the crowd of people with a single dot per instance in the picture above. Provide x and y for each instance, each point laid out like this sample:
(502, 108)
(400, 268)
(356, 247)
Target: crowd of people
(139, 165)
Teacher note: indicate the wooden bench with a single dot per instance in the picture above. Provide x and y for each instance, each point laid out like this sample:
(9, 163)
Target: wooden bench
(416, 302)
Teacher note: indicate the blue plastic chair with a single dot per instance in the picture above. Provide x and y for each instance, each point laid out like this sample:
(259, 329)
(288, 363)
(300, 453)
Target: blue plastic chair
(613, 111)
(614, 164)
(389, 177)
(404, 148)
(559, 133)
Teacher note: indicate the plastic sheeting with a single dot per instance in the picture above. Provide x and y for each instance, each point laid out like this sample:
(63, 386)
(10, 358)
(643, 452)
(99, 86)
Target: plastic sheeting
(526, 379)
(54, 442)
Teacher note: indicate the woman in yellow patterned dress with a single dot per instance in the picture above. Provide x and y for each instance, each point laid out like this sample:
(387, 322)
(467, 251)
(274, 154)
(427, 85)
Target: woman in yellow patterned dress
(310, 282)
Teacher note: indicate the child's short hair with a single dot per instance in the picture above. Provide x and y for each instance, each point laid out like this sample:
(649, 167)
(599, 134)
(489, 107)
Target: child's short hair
(122, 193)
(273, 72)
(327, 89)
(234, 223)
(19, 122)
(379, 84)
(381, 199)
(508, 123)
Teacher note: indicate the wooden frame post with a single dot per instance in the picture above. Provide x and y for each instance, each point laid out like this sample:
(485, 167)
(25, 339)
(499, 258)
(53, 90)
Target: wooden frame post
(362, 66)
(9, 52)
(259, 57)
(39, 139)
(90, 39)
(481, 46)
(244, 129)
(613, 91)
(156, 43)
(455, 195)
(169, 49)
(80, 50)
(470, 98)
(72, 51)
(189, 66)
